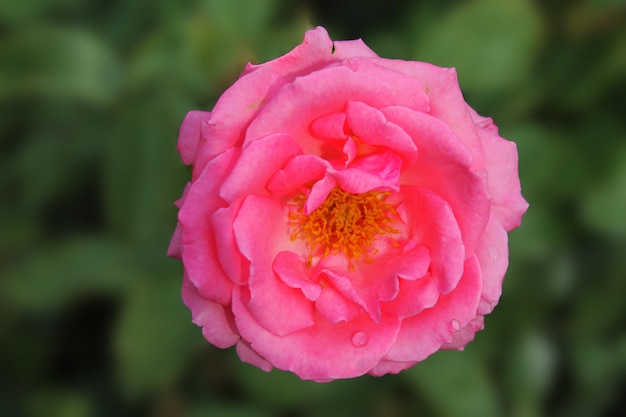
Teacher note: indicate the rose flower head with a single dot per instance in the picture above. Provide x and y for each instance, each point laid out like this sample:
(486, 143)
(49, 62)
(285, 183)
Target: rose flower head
(346, 214)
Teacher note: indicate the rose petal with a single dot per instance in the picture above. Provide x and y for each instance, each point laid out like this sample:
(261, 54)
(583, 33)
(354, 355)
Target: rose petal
(446, 102)
(425, 333)
(314, 52)
(465, 335)
(493, 255)
(371, 127)
(390, 367)
(413, 297)
(217, 322)
(296, 105)
(199, 251)
(174, 249)
(189, 135)
(261, 232)
(379, 171)
(334, 307)
(443, 167)
(503, 179)
(299, 171)
(259, 160)
(321, 352)
(248, 355)
(352, 48)
(329, 126)
(234, 110)
(368, 284)
(409, 92)
(234, 264)
(291, 269)
(432, 223)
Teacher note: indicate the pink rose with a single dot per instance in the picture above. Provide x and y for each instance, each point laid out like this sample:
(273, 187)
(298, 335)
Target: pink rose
(346, 214)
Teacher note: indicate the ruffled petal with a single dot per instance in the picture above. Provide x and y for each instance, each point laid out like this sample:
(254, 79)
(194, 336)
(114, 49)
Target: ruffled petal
(330, 126)
(463, 336)
(443, 166)
(291, 269)
(258, 162)
(307, 98)
(216, 320)
(199, 250)
(234, 264)
(502, 173)
(431, 223)
(390, 367)
(371, 127)
(189, 135)
(234, 110)
(446, 102)
(425, 333)
(493, 255)
(299, 171)
(321, 352)
(261, 233)
(334, 307)
(315, 51)
(248, 355)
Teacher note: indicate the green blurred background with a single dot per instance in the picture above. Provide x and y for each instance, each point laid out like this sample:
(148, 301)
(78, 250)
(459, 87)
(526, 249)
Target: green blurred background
(92, 94)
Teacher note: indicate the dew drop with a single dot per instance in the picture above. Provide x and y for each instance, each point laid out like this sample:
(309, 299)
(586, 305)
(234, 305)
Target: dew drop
(360, 339)
(494, 253)
(456, 325)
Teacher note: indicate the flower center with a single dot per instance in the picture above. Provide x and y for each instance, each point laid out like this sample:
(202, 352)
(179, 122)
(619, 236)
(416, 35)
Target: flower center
(345, 223)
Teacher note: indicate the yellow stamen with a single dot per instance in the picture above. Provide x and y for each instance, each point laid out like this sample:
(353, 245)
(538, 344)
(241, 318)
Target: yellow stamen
(345, 223)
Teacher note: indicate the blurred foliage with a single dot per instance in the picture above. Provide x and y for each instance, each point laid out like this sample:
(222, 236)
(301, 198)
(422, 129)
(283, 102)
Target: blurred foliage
(91, 97)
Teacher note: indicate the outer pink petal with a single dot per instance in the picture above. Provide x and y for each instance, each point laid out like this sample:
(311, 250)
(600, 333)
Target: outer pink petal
(352, 48)
(314, 52)
(446, 102)
(217, 322)
(247, 355)
(258, 162)
(232, 113)
(174, 249)
(199, 251)
(261, 232)
(321, 352)
(425, 333)
(390, 367)
(502, 174)
(409, 91)
(493, 255)
(443, 167)
(465, 335)
(295, 106)
(189, 135)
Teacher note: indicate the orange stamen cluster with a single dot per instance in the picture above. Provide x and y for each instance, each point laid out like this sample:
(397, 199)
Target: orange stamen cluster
(345, 223)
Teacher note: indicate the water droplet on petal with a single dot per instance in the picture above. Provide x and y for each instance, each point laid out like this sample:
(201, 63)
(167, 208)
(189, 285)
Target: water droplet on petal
(360, 339)
(494, 253)
(456, 325)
